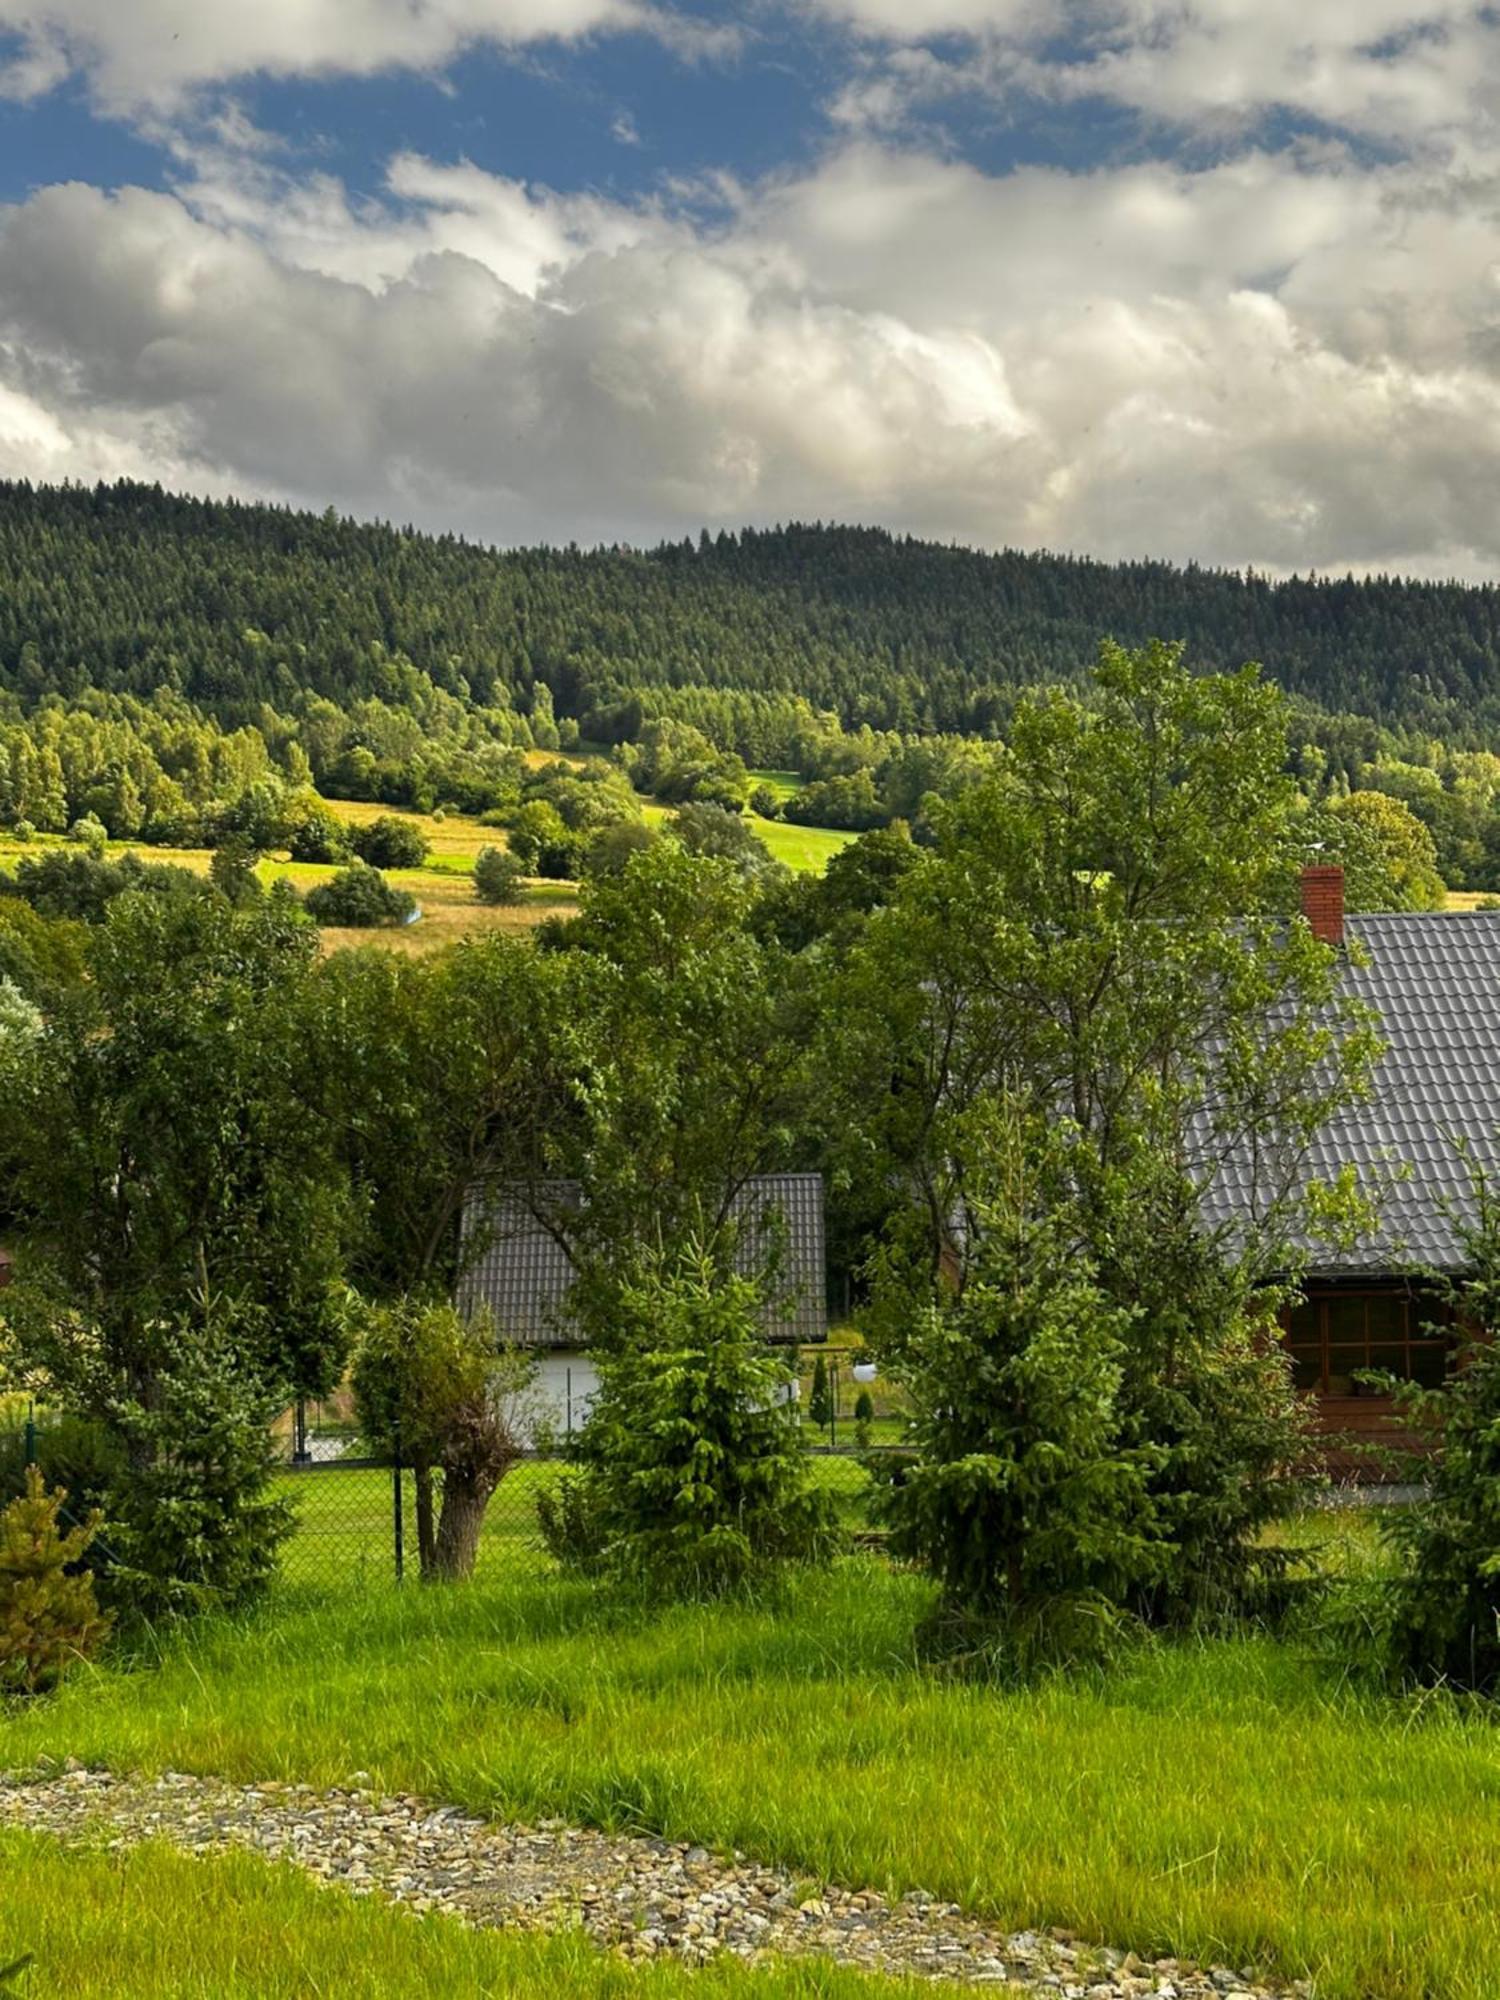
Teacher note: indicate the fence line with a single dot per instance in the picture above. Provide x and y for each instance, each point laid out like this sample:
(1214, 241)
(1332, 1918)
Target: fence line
(355, 1512)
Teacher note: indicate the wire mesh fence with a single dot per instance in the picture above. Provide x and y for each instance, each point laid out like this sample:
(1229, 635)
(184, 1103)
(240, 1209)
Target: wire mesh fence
(354, 1516)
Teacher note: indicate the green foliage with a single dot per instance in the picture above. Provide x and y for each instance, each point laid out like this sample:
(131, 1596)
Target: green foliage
(1083, 950)
(694, 1477)
(543, 843)
(864, 1407)
(712, 830)
(90, 833)
(820, 1401)
(1440, 1621)
(1022, 1494)
(194, 1524)
(498, 877)
(359, 898)
(389, 842)
(48, 1615)
(317, 836)
(1388, 856)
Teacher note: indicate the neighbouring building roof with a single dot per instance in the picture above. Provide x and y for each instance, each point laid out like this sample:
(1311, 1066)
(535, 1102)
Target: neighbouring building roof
(522, 1272)
(1434, 983)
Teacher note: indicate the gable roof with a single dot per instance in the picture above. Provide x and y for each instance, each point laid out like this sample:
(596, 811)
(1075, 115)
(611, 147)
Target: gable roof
(523, 1273)
(1433, 981)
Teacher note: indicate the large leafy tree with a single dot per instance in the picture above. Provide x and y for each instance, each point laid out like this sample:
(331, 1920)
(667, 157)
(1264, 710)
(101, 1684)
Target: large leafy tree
(180, 1222)
(699, 1063)
(1094, 939)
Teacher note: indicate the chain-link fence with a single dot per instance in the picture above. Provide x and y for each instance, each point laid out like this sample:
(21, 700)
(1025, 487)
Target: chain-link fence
(355, 1516)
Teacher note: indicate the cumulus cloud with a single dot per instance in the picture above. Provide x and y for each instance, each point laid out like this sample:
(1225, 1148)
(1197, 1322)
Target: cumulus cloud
(150, 53)
(1258, 361)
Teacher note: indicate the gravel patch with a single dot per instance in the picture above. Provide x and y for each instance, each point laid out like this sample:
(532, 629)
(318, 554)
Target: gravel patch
(641, 1897)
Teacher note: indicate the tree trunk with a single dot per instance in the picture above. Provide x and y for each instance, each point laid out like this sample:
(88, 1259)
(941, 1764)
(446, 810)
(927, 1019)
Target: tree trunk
(466, 1499)
(426, 1541)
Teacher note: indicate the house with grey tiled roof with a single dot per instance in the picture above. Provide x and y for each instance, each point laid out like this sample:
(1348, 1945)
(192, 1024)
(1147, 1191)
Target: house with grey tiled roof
(1432, 981)
(515, 1266)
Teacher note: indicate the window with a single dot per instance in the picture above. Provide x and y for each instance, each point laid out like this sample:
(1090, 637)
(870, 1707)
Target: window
(1335, 1336)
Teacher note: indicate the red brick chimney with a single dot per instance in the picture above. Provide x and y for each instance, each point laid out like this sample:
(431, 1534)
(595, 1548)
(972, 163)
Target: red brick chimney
(1323, 901)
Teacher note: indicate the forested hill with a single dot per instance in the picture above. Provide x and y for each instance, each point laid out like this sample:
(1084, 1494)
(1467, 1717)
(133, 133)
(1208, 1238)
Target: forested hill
(128, 588)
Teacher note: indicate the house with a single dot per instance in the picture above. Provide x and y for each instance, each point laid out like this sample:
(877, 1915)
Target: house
(518, 1269)
(1433, 983)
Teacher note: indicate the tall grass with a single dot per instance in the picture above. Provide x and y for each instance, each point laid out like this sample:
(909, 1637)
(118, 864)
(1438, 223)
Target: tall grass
(1232, 1801)
(153, 1922)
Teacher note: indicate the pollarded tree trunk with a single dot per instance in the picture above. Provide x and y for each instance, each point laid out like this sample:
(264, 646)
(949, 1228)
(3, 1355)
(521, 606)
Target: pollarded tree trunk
(465, 1502)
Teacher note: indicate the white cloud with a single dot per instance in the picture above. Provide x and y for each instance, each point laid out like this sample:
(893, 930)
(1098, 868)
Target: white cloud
(1259, 361)
(140, 54)
(1407, 71)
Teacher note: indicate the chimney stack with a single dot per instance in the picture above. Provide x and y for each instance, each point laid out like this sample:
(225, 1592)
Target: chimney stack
(1323, 901)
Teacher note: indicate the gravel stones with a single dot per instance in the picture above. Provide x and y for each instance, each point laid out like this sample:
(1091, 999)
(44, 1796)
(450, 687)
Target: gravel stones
(641, 1897)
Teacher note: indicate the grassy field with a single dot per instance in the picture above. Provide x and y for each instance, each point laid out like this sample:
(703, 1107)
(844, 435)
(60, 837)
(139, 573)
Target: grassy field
(443, 886)
(103, 1925)
(1231, 1800)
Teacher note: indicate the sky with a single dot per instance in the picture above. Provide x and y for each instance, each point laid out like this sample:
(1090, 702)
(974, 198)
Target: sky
(1209, 280)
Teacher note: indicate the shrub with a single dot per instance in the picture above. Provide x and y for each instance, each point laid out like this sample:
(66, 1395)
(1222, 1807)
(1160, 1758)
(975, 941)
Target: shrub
(48, 1614)
(23, 830)
(820, 1402)
(572, 1526)
(765, 802)
(73, 1452)
(319, 837)
(498, 876)
(89, 832)
(694, 1479)
(360, 898)
(389, 842)
(864, 1407)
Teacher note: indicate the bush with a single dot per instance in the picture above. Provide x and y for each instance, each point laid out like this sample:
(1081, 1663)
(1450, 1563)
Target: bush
(360, 898)
(48, 1614)
(389, 842)
(864, 1407)
(23, 830)
(572, 1526)
(765, 802)
(73, 1452)
(319, 837)
(498, 876)
(89, 832)
(820, 1402)
(694, 1479)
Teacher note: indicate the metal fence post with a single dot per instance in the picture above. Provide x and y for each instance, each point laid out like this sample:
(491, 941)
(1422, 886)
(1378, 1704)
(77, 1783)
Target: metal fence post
(31, 1434)
(396, 1520)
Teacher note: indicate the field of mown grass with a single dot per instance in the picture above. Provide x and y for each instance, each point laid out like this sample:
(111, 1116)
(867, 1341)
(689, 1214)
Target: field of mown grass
(1235, 1800)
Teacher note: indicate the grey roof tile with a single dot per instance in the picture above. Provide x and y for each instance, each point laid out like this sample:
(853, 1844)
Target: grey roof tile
(523, 1273)
(1434, 983)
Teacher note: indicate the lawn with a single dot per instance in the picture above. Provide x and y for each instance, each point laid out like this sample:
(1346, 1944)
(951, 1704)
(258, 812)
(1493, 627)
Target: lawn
(1232, 1800)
